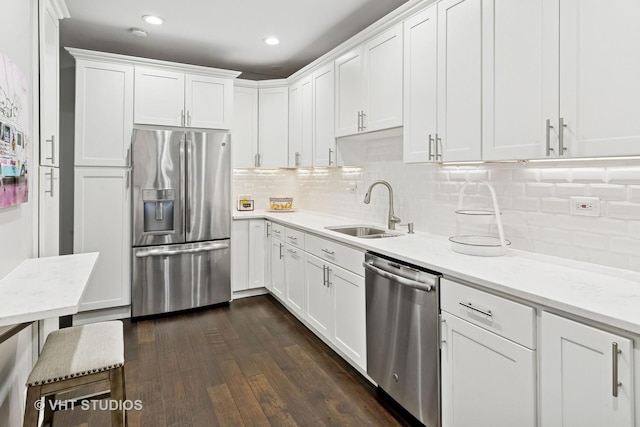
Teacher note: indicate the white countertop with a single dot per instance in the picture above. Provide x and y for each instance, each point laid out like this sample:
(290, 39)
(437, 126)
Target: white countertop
(602, 294)
(41, 288)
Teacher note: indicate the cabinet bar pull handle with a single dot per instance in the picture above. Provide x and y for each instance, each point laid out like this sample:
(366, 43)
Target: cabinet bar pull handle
(471, 307)
(268, 228)
(330, 153)
(549, 126)
(281, 246)
(615, 352)
(431, 156)
(292, 252)
(561, 126)
(292, 238)
(438, 142)
(50, 175)
(53, 149)
(359, 120)
(329, 277)
(363, 125)
(328, 252)
(324, 275)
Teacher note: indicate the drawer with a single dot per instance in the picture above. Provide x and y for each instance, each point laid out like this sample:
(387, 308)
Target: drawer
(277, 231)
(501, 316)
(294, 237)
(343, 256)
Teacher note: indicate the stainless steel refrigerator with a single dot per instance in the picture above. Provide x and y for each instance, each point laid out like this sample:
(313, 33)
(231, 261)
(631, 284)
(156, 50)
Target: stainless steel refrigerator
(181, 220)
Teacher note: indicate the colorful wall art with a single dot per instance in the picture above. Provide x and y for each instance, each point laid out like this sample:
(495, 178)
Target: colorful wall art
(14, 133)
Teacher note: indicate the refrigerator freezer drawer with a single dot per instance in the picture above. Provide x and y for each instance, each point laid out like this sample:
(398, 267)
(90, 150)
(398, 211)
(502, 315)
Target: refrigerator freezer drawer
(178, 277)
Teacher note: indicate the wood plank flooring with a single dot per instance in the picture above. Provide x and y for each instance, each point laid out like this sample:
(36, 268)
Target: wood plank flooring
(247, 363)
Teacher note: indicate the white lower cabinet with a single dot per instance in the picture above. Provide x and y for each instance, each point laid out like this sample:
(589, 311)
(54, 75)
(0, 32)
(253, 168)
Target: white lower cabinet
(248, 254)
(317, 295)
(294, 279)
(488, 359)
(586, 375)
(487, 380)
(277, 264)
(102, 209)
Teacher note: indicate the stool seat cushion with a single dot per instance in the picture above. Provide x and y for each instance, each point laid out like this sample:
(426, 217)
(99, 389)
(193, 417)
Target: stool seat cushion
(79, 350)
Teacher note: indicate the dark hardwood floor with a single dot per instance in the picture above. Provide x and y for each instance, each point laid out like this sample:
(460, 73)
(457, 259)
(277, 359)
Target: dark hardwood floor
(246, 363)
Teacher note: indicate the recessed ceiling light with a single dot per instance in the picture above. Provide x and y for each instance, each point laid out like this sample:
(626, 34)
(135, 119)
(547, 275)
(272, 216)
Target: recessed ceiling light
(151, 19)
(272, 41)
(138, 32)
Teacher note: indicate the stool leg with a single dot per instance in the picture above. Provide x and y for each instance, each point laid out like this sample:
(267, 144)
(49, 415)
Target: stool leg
(116, 384)
(48, 412)
(31, 414)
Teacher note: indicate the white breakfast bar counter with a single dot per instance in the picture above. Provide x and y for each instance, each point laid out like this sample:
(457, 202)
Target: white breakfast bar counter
(42, 288)
(601, 294)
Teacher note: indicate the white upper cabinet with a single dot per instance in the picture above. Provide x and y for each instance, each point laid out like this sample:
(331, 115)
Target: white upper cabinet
(324, 140)
(369, 85)
(586, 375)
(244, 132)
(459, 135)
(50, 13)
(519, 80)
(171, 98)
(599, 83)
(301, 122)
(273, 126)
(420, 86)
(104, 113)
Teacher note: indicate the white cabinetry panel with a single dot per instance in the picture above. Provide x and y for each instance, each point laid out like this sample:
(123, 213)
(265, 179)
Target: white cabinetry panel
(208, 102)
(104, 113)
(349, 92)
(102, 224)
(159, 97)
(349, 316)
(273, 128)
(324, 140)
(245, 127)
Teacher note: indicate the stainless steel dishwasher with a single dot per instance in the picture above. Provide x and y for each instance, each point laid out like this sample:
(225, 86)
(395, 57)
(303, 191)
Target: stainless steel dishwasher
(403, 346)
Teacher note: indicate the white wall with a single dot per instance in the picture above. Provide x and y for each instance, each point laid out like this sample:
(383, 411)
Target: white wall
(533, 197)
(18, 223)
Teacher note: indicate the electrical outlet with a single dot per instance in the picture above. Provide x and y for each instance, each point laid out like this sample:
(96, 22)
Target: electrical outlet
(586, 206)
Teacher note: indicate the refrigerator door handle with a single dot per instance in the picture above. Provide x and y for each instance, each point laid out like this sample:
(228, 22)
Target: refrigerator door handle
(187, 203)
(162, 252)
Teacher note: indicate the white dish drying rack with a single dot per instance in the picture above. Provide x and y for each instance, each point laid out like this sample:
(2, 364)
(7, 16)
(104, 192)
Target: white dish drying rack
(479, 244)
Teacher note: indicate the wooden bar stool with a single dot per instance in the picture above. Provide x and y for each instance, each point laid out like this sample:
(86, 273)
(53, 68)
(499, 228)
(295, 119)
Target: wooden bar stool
(73, 358)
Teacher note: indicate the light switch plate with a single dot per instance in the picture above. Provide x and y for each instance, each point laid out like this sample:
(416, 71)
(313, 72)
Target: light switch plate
(585, 206)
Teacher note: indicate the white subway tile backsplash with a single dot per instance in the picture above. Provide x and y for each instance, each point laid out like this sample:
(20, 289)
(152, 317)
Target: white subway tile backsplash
(588, 175)
(607, 191)
(629, 175)
(534, 200)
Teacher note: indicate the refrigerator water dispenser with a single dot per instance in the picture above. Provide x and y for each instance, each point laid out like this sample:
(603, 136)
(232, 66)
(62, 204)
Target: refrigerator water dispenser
(158, 211)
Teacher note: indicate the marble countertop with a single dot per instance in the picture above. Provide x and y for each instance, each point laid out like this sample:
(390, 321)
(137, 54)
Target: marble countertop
(41, 288)
(607, 295)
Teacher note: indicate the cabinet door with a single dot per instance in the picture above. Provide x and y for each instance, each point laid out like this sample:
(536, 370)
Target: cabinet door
(49, 87)
(159, 97)
(460, 80)
(599, 84)
(301, 123)
(349, 317)
(104, 113)
(208, 102)
(420, 86)
(383, 80)
(245, 127)
(486, 380)
(294, 279)
(577, 375)
(317, 295)
(256, 253)
(267, 256)
(349, 92)
(240, 256)
(102, 223)
(519, 79)
(273, 127)
(324, 140)
(277, 268)
(49, 212)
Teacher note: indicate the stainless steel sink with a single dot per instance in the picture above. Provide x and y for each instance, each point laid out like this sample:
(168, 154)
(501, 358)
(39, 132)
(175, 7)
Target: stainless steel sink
(363, 231)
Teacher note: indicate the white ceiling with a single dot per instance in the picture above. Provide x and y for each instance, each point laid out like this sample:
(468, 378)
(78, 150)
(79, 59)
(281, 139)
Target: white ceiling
(222, 33)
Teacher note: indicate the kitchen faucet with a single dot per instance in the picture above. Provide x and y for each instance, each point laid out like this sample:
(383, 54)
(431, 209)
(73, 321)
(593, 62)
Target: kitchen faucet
(393, 219)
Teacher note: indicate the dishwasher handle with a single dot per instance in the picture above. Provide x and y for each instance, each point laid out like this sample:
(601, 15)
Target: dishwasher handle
(401, 280)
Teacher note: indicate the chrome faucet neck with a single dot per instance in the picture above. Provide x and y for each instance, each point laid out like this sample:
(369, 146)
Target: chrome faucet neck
(392, 219)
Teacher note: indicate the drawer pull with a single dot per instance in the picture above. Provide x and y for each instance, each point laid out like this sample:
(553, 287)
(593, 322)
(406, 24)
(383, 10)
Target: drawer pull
(292, 252)
(292, 238)
(328, 252)
(471, 307)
